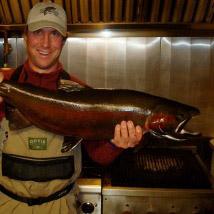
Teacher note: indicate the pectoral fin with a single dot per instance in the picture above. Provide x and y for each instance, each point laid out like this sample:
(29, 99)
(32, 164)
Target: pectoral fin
(16, 119)
(70, 143)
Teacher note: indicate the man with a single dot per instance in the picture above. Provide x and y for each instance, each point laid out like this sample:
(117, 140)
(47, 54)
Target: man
(36, 175)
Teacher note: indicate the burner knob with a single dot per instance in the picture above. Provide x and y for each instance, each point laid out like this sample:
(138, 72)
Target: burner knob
(87, 207)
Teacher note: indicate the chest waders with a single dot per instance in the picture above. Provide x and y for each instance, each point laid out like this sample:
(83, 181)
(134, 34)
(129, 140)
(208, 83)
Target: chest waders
(32, 155)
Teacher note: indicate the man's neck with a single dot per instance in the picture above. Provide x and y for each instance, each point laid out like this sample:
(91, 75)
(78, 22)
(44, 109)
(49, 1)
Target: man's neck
(43, 71)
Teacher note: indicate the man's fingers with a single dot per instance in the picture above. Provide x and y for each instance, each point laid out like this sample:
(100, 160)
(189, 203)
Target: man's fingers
(127, 135)
(139, 133)
(124, 130)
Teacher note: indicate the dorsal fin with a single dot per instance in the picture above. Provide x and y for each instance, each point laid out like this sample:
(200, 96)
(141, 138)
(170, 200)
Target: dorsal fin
(69, 85)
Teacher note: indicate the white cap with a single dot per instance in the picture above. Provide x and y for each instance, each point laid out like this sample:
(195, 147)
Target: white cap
(47, 14)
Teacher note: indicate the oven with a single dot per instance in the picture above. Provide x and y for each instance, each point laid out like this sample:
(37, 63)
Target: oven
(162, 177)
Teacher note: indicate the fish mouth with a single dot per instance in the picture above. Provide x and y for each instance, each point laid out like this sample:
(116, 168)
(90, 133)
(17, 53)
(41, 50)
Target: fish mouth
(181, 126)
(179, 133)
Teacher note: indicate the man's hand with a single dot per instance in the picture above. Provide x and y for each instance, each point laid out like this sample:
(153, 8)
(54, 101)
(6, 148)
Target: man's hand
(127, 135)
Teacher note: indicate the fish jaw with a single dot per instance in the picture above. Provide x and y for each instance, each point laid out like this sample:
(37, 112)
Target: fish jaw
(168, 126)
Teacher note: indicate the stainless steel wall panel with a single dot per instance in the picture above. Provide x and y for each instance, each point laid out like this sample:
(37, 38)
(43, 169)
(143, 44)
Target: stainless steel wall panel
(152, 75)
(21, 51)
(115, 62)
(135, 63)
(180, 68)
(12, 58)
(75, 55)
(165, 67)
(96, 62)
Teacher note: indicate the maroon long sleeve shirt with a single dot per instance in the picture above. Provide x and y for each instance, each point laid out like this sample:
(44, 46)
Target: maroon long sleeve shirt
(102, 152)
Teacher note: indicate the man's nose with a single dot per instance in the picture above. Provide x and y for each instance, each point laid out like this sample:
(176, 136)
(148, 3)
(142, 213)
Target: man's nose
(46, 39)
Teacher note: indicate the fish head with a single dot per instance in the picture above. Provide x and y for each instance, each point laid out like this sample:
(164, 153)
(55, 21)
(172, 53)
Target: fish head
(169, 121)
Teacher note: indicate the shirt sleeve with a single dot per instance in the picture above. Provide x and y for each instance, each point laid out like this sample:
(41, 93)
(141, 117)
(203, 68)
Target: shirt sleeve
(102, 152)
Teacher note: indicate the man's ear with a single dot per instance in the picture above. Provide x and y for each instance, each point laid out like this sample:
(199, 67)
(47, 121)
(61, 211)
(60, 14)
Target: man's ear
(24, 35)
(64, 40)
(25, 39)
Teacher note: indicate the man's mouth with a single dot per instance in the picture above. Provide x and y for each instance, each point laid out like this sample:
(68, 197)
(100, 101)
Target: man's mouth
(43, 53)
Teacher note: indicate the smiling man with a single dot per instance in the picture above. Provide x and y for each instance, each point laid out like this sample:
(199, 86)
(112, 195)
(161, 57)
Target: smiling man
(44, 47)
(37, 172)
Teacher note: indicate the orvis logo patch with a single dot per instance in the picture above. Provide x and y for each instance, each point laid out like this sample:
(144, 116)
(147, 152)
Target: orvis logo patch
(37, 143)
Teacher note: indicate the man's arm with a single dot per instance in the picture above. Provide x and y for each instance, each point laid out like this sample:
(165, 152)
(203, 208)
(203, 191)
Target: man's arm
(126, 135)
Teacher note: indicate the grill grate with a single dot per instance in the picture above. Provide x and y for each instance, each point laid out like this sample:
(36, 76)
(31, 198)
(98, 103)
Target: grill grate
(160, 168)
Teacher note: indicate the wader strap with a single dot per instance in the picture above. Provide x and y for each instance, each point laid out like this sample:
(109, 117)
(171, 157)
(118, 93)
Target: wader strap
(40, 200)
(39, 170)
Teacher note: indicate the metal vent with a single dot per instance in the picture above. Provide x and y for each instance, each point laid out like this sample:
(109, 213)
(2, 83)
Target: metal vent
(117, 11)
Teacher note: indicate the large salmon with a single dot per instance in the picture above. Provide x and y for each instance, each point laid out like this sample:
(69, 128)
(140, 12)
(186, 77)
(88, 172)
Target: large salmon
(93, 113)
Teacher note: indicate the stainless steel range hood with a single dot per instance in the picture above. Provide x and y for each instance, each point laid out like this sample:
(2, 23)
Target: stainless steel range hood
(171, 18)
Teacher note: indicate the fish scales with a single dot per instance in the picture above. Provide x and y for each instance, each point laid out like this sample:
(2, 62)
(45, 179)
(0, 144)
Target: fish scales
(93, 113)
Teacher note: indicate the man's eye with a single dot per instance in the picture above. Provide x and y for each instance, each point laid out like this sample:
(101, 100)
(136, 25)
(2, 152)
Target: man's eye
(37, 32)
(56, 33)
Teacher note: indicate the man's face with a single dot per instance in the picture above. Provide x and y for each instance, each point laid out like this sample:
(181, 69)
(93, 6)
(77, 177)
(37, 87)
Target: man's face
(44, 47)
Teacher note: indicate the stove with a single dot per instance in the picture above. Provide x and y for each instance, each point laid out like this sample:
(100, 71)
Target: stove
(161, 178)
(164, 180)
